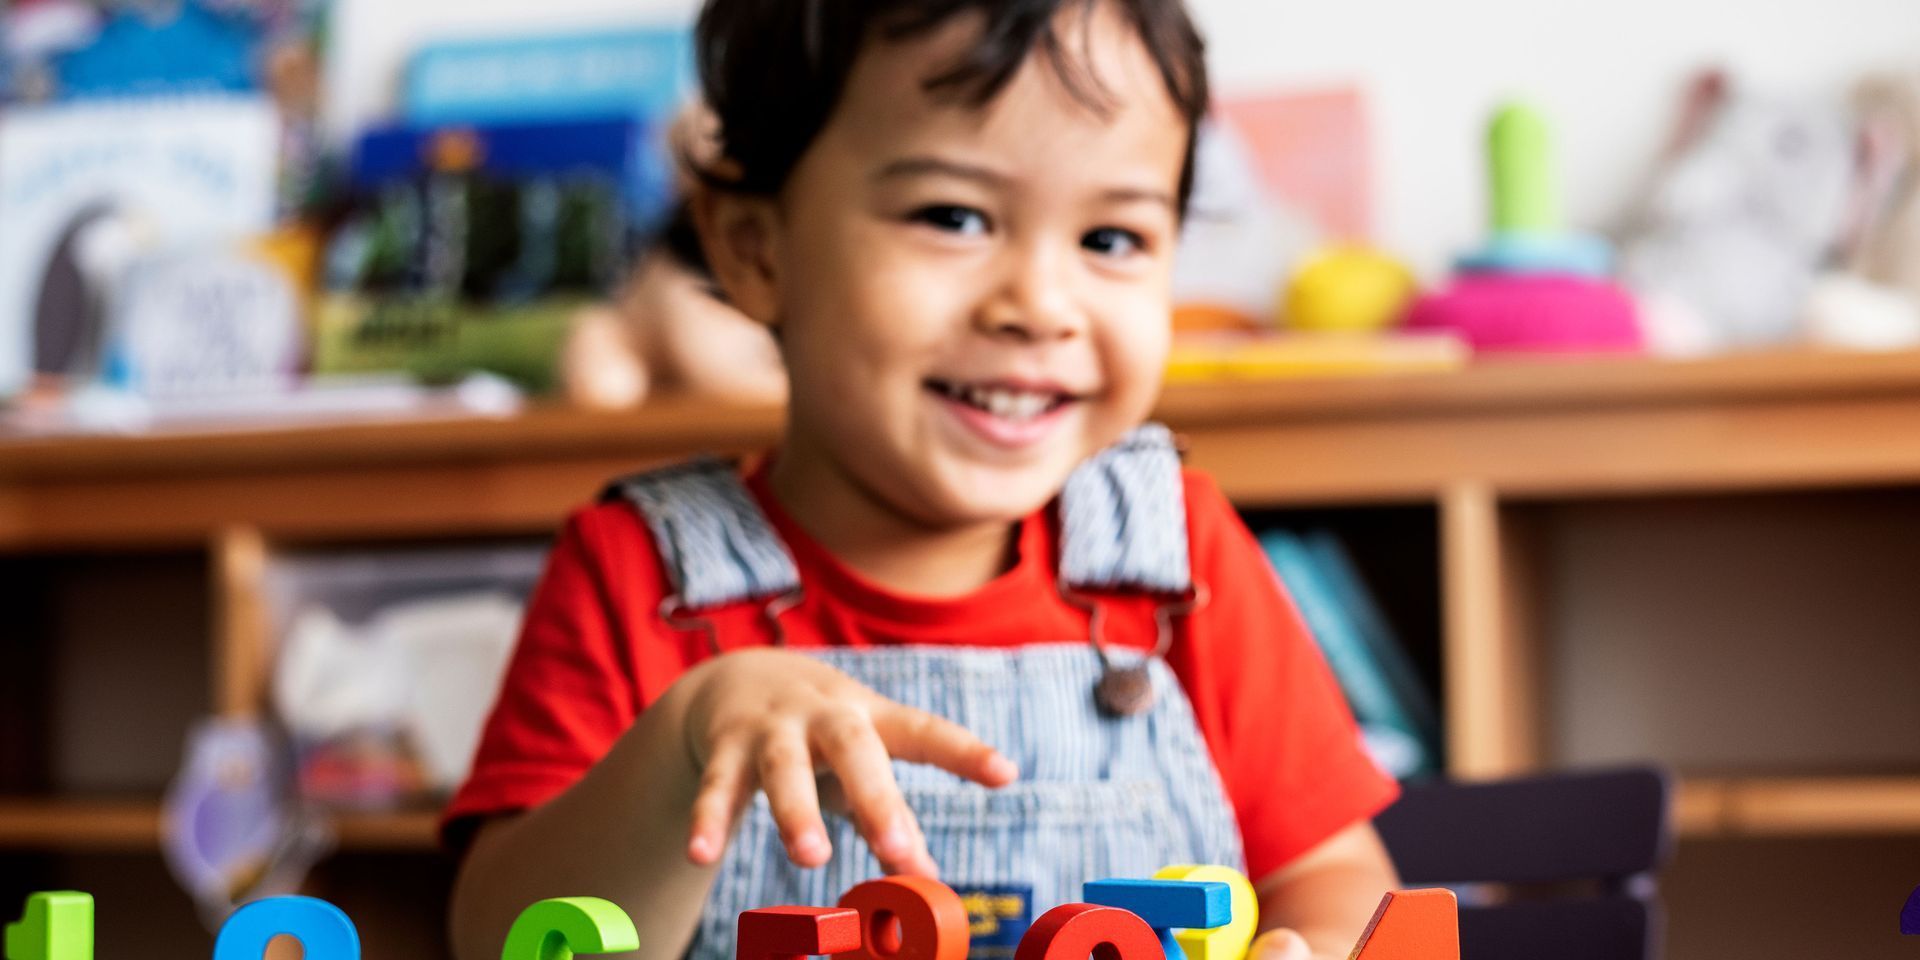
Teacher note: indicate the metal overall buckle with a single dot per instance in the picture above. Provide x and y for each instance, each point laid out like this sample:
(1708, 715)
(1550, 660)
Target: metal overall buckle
(1125, 691)
(676, 614)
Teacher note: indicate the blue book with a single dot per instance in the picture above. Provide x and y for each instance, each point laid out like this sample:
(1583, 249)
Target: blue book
(1337, 568)
(1384, 721)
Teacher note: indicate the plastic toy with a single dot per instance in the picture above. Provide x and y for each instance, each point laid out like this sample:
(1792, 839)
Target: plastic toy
(1412, 925)
(1166, 904)
(1910, 915)
(559, 928)
(54, 926)
(323, 931)
(1533, 288)
(1073, 931)
(1872, 301)
(790, 933)
(1228, 941)
(1722, 245)
(932, 920)
(1348, 289)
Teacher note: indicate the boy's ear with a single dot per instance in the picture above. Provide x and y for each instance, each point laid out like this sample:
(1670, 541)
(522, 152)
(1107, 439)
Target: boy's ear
(739, 233)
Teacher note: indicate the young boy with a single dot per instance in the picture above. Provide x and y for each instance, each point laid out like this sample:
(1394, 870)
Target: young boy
(959, 218)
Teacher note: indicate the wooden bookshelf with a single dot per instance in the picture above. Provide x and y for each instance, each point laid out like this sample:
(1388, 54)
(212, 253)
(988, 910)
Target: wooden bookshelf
(134, 826)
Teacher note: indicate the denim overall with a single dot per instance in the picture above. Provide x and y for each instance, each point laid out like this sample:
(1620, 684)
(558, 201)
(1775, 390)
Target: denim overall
(1099, 795)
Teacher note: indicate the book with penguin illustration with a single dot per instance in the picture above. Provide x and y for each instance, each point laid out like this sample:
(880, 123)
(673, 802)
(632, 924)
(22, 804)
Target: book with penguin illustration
(1396, 711)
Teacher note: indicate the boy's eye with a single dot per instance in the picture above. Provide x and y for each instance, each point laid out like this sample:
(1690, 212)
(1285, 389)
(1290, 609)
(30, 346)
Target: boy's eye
(965, 221)
(1113, 242)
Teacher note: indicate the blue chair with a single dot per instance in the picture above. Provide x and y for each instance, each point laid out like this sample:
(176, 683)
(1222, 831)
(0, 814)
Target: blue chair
(1568, 860)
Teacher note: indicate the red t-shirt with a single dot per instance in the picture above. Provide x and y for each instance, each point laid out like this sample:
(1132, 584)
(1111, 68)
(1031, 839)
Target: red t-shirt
(594, 653)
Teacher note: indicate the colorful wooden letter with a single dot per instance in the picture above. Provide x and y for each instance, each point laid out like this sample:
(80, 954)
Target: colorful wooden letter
(323, 931)
(790, 933)
(54, 926)
(932, 921)
(1909, 916)
(557, 929)
(1074, 931)
(1231, 940)
(1166, 904)
(1412, 925)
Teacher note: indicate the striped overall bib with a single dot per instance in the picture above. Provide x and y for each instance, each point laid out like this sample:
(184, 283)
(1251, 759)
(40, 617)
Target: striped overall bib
(1100, 795)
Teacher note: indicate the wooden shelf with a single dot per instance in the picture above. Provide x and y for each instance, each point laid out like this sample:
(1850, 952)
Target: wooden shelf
(134, 826)
(1797, 806)
(1517, 429)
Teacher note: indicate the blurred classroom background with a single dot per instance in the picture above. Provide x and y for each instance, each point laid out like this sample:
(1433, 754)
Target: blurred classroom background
(1565, 357)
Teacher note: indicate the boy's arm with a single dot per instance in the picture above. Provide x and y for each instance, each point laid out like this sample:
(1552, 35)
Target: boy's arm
(1317, 905)
(619, 833)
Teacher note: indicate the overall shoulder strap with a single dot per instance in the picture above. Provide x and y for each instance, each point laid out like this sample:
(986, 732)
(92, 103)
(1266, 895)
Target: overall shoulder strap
(715, 543)
(1123, 518)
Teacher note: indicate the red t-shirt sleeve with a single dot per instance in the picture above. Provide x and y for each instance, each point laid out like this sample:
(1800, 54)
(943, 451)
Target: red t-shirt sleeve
(1281, 735)
(569, 691)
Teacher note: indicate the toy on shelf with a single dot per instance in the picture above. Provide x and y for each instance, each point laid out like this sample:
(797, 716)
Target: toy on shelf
(1348, 289)
(1743, 208)
(1872, 301)
(1533, 287)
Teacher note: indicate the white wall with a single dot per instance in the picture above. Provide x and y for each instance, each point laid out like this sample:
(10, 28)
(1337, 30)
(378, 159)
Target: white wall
(1607, 71)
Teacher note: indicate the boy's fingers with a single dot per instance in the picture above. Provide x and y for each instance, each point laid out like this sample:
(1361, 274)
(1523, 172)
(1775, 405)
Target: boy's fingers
(921, 737)
(785, 768)
(725, 786)
(1280, 944)
(853, 750)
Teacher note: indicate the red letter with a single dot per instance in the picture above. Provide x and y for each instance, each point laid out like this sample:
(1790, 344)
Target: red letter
(933, 922)
(791, 933)
(1072, 931)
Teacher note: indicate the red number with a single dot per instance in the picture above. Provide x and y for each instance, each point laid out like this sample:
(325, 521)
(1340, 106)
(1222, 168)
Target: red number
(790, 933)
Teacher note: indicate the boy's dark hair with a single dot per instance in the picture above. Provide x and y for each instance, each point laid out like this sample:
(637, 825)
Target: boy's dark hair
(773, 70)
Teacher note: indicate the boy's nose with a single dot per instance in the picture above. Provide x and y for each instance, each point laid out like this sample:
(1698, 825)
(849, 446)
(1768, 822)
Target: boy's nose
(1034, 304)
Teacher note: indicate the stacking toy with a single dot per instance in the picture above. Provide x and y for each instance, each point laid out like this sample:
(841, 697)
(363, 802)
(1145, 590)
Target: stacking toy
(1533, 287)
(1348, 289)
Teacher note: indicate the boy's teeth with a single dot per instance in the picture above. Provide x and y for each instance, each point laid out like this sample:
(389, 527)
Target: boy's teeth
(1003, 402)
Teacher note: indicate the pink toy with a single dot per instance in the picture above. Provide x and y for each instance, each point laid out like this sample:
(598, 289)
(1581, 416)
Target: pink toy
(1541, 313)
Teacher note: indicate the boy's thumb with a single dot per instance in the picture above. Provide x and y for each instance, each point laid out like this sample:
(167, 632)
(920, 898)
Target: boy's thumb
(1280, 944)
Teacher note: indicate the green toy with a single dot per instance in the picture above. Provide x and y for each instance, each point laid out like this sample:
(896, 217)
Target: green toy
(557, 929)
(54, 926)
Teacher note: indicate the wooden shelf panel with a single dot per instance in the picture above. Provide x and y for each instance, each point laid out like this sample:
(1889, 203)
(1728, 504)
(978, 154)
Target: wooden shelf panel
(1797, 806)
(134, 826)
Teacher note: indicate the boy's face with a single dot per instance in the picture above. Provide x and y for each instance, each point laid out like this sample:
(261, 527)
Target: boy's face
(972, 300)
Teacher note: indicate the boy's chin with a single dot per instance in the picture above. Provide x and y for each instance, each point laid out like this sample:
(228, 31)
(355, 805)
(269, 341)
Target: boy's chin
(984, 494)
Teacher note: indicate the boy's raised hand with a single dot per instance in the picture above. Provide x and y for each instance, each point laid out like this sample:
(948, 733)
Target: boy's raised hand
(775, 720)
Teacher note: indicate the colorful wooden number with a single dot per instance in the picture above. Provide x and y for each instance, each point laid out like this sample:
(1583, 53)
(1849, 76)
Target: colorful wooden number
(790, 933)
(323, 931)
(1166, 904)
(1412, 925)
(54, 926)
(932, 922)
(1230, 940)
(1909, 915)
(1074, 931)
(557, 929)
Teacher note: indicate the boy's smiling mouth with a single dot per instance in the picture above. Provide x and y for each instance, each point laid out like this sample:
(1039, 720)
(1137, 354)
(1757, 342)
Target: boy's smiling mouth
(1004, 413)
